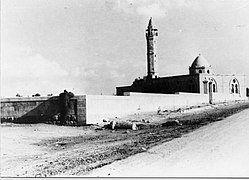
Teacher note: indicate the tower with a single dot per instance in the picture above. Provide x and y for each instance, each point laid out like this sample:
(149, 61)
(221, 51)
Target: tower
(151, 36)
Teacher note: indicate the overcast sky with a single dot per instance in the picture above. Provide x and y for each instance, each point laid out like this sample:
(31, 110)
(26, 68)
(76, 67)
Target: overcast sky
(92, 46)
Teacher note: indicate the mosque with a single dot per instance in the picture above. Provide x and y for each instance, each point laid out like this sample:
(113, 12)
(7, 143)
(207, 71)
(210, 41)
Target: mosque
(200, 79)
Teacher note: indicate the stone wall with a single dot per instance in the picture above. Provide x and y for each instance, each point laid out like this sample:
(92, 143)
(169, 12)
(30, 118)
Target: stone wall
(81, 110)
(92, 109)
(34, 109)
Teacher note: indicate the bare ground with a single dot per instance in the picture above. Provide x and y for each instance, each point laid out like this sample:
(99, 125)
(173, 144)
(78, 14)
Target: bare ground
(47, 150)
(218, 149)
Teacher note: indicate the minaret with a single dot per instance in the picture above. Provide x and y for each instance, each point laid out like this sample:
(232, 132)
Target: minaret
(151, 35)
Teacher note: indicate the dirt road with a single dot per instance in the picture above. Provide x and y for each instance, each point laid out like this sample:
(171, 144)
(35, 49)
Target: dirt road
(220, 149)
(42, 150)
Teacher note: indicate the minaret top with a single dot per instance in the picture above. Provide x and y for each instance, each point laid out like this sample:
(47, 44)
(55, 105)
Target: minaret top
(151, 31)
(150, 22)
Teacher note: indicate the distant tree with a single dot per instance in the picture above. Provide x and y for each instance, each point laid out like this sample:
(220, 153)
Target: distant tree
(50, 94)
(18, 95)
(36, 95)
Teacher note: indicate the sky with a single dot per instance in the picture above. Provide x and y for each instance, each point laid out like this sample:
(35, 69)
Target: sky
(92, 46)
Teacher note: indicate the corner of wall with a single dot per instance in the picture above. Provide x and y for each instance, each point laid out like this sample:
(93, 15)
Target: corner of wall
(81, 110)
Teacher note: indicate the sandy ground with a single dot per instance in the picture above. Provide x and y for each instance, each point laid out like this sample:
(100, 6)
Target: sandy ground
(42, 150)
(220, 149)
(18, 150)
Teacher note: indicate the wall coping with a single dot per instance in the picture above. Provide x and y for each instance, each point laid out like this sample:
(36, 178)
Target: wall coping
(32, 99)
(27, 99)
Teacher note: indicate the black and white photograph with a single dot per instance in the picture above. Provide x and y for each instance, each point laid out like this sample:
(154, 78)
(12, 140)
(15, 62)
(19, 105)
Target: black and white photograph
(124, 89)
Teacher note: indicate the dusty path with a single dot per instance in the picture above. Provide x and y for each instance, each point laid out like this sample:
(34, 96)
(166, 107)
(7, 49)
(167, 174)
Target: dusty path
(19, 154)
(42, 150)
(220, 149)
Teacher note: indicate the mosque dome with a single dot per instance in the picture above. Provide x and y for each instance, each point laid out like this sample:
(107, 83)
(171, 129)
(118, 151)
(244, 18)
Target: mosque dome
(200, 61)
(200, 65)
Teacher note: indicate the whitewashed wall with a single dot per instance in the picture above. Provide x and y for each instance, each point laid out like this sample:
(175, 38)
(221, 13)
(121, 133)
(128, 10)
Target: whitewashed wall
(222, 97)
(99, 107)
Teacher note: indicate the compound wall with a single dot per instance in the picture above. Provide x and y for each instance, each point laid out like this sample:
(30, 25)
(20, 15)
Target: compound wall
(31, 109)
(99, 107)
(92, 109)
(39, 109)
(222, 97)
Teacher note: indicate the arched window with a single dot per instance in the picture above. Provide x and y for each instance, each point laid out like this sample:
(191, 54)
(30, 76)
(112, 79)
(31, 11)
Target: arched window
(200, 71)
(234, 86)
(213, 85)
(214, 88)
(236, 89)
(208, 71)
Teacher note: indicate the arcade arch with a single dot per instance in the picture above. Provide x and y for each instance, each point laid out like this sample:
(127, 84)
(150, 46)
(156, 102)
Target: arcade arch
(234, 86)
